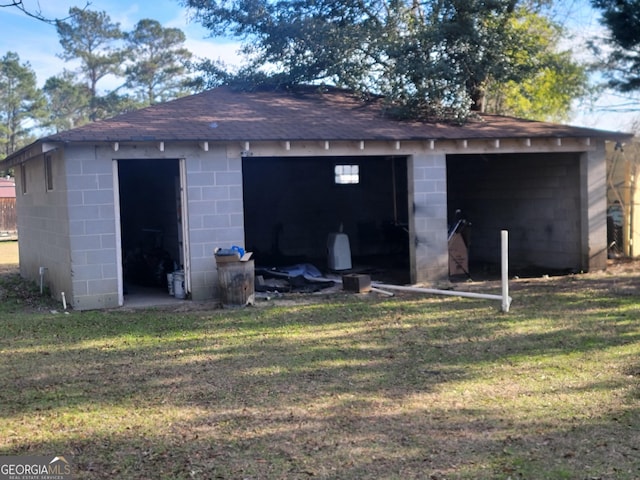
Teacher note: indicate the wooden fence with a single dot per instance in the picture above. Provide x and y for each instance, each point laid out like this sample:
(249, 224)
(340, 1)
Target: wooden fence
(8, 217)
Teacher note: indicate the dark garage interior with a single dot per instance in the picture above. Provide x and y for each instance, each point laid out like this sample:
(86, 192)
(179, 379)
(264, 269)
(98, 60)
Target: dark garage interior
(150, 222)
(293, 204)
(536, 197)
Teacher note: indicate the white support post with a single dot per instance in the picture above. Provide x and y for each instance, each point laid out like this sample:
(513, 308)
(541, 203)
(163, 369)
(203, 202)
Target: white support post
(506, 300)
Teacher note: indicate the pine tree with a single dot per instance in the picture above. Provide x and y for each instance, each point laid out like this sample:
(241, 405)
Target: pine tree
(21, 103)
(93, 39)
(158, 69)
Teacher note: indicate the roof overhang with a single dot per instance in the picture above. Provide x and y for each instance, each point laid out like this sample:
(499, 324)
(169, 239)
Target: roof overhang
(328, 147)
(31, 151)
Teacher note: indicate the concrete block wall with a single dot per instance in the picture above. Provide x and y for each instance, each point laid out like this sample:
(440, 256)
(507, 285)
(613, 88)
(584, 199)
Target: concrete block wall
(216, 218)
(92, 227)
(42, 224)
(428, 202)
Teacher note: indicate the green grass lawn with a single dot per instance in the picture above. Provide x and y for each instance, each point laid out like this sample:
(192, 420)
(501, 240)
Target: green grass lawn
(332, 387)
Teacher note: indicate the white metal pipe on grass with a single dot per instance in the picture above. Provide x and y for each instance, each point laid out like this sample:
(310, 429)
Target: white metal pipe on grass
(504, 297)
(435, 291)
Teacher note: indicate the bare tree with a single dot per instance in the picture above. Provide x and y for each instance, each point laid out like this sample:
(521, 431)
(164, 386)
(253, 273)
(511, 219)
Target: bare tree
(35, 12)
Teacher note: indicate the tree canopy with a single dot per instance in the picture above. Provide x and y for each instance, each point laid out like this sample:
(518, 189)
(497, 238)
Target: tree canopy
(549, 78)
(158, 62)
(89, 37)
(148, 64)
(432, 59)
(21, 103)
(150, 61)
(622, 20)
(68, 101)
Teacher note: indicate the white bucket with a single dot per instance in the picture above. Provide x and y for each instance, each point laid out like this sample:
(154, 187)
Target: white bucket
(170, 283)
(178, 284)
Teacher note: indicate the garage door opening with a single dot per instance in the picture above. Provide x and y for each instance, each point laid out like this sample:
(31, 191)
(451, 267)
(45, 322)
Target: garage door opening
(151, 231)
(292, 205)
(536, 197)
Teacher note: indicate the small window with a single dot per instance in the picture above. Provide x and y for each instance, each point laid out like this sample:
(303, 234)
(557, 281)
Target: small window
(347, 174)
(48, 172)
(23, 178)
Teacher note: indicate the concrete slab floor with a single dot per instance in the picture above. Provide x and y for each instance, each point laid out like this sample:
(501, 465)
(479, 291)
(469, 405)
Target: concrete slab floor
(142, 297)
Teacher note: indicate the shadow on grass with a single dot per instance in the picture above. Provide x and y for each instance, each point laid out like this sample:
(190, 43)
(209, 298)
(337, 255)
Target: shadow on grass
(343, 389)
(347, 443)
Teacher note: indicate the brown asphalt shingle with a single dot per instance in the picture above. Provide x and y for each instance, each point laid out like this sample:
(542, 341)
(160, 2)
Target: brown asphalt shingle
(224, 114)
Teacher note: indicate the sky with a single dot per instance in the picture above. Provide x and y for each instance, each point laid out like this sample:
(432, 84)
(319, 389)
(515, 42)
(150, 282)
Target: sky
(37, 43)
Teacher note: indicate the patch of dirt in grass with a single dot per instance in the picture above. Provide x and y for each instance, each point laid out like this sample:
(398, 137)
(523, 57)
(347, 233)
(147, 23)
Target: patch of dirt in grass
(18, 295)
(8, 269)
(622, 277)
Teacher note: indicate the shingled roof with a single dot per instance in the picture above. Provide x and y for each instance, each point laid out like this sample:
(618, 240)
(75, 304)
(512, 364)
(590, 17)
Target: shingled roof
(225, 114)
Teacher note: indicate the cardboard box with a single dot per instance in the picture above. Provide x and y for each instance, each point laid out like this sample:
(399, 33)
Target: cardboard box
(458, 256)
(355, 282)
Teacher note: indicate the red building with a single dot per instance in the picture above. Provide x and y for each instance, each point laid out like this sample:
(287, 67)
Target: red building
(8, 220)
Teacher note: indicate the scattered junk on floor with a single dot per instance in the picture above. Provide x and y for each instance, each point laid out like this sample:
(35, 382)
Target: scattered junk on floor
(356, 282)
(298, 278)
(147, 266)
(241, 282)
